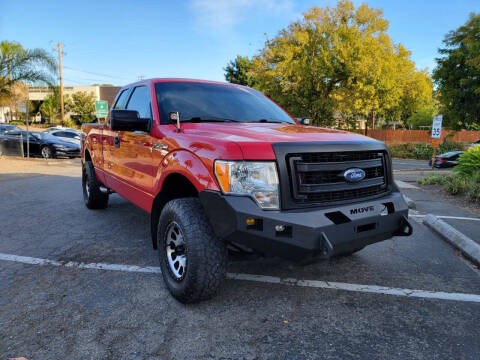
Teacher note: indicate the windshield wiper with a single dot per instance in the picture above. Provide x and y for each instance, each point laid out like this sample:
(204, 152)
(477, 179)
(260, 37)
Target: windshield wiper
(208, 119)
(270, 121)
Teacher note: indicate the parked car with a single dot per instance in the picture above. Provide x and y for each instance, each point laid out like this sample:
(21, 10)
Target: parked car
(55, 128)
(40, 144)
(8, 127)
(71, 136)
(475, 143)
(445, 160)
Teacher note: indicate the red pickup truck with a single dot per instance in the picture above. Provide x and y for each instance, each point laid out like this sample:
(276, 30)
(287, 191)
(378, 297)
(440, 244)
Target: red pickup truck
(221, 166)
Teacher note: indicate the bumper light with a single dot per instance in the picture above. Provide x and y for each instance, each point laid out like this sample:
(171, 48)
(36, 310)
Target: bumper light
(259, 180)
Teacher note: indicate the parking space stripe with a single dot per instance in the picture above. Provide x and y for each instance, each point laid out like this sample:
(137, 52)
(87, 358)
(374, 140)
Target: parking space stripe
(447, 217)
(438, 295)
(360, 288)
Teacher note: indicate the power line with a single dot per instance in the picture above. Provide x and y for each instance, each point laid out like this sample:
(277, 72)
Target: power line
(74, 81)
(98, 74)
(92, 79)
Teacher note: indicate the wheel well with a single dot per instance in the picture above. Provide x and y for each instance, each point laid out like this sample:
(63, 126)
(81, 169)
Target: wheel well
(87, 156)
(175, 186)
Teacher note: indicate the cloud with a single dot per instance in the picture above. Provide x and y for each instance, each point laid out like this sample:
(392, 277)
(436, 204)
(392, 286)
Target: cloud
(224, 15)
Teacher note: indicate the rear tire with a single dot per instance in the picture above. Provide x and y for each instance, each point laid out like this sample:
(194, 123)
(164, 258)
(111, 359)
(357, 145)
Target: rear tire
(192, 258)
(92, 195)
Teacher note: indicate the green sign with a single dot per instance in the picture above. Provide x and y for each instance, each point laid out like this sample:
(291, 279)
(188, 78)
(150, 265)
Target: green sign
(101, 108)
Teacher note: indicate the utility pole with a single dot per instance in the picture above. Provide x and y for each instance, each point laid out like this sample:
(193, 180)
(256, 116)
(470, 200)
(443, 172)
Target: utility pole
(61, 81)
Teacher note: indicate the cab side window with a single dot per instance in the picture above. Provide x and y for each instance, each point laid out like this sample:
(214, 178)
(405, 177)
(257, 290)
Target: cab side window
(120, 103)
(140, 101)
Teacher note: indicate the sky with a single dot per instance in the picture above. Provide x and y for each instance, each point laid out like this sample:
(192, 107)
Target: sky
(120, 41)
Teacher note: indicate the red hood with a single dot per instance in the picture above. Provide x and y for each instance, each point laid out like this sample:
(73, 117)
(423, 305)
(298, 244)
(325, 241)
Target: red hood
(255, 139)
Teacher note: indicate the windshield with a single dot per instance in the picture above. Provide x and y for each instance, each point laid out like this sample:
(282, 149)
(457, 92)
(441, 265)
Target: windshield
(214, 102)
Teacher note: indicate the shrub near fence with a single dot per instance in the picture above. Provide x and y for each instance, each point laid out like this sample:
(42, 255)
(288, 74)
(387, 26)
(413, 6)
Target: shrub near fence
(420, 136)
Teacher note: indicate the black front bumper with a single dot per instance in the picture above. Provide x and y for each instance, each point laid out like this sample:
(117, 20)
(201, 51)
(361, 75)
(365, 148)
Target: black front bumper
(69, 153)
(317, 232)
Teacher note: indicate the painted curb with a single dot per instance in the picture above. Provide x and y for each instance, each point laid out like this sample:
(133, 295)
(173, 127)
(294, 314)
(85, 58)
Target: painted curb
(462, 242)
(411, 204)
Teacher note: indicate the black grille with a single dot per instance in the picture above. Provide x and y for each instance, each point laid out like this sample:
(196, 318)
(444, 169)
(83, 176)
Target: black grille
(318, 177)
(335, 176)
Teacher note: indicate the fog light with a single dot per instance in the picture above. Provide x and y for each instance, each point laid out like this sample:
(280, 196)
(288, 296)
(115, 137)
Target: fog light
(279, 228)
(250, 221)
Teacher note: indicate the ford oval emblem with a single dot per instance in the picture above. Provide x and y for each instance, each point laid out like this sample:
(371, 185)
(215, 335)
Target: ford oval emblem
(354, 175)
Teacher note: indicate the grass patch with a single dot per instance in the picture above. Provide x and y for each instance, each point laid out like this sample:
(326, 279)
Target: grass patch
(433, 179)
(456, 184)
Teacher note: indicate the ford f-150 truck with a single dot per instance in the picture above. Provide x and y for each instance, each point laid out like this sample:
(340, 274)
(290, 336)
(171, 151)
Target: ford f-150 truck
(221, 166)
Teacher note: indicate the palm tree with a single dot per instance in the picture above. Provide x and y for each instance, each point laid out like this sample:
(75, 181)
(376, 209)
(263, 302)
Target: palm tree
(24, 65)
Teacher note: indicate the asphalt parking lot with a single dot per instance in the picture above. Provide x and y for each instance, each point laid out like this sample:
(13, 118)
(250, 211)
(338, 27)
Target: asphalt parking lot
(82, 284)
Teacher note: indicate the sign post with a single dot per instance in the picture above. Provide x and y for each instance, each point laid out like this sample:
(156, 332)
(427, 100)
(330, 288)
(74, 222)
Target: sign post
(22, 107)
(101, 109)
(436, 134)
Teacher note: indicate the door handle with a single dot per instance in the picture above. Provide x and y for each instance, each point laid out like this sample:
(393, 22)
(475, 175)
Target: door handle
(160, 146)
(116, 141)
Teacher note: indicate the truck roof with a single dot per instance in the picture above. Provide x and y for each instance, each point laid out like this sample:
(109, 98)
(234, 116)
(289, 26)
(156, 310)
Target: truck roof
(155, 80)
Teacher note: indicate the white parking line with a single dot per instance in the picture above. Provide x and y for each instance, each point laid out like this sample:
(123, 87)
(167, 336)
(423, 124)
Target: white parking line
(439, 295)
(405, 185)
(447, 217)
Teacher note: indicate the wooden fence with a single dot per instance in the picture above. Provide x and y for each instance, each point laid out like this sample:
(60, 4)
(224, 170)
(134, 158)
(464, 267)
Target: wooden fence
(420, 136)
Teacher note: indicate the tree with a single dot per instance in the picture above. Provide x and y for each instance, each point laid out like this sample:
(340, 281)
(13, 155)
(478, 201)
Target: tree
(50, 108)
(457, 75)
(23, 65)
(83, 106)
(237, 71)
(339, 64)
(421, 118)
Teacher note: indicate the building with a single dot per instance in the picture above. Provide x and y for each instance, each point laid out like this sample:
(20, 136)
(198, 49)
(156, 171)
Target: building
(37, 94)
(100, 92)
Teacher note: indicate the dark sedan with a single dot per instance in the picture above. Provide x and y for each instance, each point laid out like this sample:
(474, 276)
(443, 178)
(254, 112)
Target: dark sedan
(448, 159)
(40, 143)
(7, 127)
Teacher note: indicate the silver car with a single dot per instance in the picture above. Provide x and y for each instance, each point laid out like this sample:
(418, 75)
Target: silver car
(70, 136)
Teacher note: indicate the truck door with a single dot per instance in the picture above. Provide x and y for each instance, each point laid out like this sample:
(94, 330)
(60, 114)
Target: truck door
(132, 154)
(108, 140)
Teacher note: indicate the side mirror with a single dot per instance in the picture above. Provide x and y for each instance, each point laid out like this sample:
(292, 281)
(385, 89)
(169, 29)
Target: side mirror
(128, 120)
(305, 121)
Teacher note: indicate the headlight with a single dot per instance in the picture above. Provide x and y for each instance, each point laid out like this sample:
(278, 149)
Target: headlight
(60, 147)
(258, 180)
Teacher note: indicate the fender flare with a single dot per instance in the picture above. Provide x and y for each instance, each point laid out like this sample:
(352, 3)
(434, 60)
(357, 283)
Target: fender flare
(189, 165)
(183, 163)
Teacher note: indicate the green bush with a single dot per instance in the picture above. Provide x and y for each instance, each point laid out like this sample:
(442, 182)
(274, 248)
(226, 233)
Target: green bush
(71, 124)
(422, 151)
(473, 186)
(433, 179)
(468, 162)
(455, 185)
(17, 122)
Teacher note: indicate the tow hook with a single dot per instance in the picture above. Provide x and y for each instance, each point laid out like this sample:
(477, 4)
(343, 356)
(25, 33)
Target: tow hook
(405, 228)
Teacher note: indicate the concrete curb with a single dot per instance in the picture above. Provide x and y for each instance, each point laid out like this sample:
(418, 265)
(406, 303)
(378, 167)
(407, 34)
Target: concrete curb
(462, 242)
(411, 204)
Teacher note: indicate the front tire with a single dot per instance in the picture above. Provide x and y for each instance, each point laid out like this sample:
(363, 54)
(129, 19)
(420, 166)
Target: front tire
(193, 260)
(46, 152)
(92, 194)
